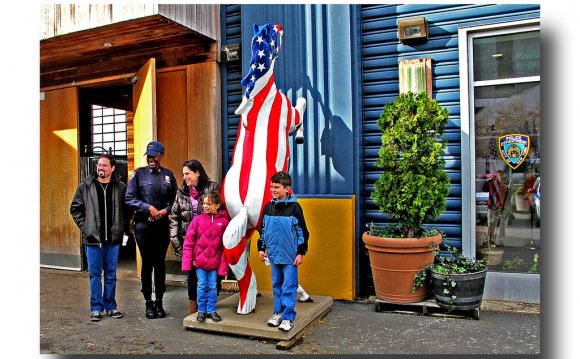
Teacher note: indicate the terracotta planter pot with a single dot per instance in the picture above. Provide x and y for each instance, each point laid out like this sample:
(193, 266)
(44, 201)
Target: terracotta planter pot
(394, 262)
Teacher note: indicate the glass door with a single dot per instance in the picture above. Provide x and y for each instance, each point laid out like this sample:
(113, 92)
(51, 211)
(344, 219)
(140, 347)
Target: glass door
(505, 107)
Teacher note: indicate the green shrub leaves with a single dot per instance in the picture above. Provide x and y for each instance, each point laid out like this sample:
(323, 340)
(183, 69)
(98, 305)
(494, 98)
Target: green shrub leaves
(414, 185)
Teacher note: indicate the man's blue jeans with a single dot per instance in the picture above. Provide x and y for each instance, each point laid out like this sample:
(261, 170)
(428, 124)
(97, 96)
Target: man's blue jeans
(102, 258)
(206, 290)
(284, 287)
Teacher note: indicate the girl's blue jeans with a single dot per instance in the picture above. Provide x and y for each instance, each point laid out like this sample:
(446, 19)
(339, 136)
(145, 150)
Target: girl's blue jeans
(206, 290)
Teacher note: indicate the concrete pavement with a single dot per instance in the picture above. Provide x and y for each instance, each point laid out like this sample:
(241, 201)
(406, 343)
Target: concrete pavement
(349, 328)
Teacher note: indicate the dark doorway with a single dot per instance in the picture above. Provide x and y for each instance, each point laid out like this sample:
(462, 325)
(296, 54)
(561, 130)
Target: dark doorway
(105, 114)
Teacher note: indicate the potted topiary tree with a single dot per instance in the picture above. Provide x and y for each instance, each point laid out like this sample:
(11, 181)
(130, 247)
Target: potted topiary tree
(411, 190)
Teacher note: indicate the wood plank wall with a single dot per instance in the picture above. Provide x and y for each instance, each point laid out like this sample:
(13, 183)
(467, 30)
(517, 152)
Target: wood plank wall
(60, 19)
(130, 143)
(201, 18)
(188, 123)
(59, 177)
(188, 117)
(172, 118)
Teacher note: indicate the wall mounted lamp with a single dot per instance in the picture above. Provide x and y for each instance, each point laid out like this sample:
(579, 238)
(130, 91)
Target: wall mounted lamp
(411, 29)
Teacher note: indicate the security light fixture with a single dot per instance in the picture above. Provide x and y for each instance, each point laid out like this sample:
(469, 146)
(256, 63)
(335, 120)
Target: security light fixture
(229, 53)
(411, 29)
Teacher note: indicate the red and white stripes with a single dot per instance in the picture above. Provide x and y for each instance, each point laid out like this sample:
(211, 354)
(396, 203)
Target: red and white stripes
(262, 149)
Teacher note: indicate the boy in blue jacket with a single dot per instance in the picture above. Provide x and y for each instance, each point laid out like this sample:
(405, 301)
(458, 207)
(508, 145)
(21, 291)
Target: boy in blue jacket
(284, 236)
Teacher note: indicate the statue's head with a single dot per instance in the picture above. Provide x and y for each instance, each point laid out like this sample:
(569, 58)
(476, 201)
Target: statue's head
(266, 44)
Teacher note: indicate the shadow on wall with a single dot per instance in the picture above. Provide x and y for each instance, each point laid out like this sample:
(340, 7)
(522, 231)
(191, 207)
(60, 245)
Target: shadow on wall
(336, 141)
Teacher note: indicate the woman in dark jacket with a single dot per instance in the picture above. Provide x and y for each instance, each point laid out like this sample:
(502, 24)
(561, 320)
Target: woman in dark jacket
(186, 206)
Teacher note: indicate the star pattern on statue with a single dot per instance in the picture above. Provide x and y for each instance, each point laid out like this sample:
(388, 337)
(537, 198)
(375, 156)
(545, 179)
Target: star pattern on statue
(266, 44)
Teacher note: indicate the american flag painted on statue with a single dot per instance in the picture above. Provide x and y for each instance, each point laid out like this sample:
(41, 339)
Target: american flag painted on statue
(267, 118)
(265, 48)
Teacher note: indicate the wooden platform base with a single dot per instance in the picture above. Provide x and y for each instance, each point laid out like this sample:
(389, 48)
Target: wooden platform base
(254, 325)
(427, 307)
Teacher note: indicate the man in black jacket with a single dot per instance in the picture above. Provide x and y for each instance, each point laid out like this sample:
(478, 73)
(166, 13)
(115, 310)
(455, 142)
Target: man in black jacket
(98, 210)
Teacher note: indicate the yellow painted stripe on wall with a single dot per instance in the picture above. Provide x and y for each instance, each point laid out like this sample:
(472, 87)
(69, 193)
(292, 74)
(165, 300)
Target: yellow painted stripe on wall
(329, 265)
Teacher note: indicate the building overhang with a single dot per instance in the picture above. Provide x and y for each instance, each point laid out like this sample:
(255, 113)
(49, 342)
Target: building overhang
(121, 48)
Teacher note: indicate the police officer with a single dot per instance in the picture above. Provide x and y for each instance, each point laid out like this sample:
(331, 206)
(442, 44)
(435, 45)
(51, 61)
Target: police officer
(150, 193)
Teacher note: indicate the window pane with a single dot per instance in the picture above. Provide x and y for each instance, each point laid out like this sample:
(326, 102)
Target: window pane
(108, 128)
(506, 56)
(108, 145)
(507, 211)
(120, 136)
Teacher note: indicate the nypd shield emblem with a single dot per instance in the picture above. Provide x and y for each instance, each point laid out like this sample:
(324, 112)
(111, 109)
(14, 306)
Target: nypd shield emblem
(514, 149)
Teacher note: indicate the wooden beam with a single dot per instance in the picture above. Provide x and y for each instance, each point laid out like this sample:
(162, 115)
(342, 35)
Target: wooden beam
(129, 63)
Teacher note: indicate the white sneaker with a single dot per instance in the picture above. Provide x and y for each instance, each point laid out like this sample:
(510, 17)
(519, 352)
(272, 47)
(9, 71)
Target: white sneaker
(286, 325)
(275, 320)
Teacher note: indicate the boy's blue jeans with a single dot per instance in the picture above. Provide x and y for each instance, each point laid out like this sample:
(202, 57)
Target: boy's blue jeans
(99, 259)
(206, 290)
(284, 286)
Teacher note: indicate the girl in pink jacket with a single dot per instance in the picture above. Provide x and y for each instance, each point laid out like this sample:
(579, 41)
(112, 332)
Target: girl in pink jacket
(203, 249)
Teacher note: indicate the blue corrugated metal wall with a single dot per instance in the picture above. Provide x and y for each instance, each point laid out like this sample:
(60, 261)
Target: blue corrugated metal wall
(381, 53)
(231, 73)
(312, 64)
(315, 63)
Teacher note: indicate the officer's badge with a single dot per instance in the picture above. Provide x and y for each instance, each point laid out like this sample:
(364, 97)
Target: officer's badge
(167, 180)
(514, 149)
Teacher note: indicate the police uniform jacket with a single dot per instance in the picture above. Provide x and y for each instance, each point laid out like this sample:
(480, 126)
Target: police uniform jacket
(149, 187)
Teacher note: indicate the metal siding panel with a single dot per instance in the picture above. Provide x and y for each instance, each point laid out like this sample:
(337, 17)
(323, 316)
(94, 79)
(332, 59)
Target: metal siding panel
(381, 52)
(231, 77)
(313, 55)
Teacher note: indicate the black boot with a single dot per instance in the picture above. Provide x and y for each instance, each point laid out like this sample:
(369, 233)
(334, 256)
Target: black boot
(149, 309)
(214, 316)
(201, 317)
(159, 308)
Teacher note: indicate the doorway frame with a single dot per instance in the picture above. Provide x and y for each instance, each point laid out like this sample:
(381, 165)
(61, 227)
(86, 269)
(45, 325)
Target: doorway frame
(521, 287)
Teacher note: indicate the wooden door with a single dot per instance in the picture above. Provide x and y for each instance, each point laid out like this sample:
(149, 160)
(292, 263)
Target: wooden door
(60, 244)
(145, 115)
(144, 121)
